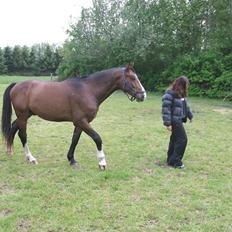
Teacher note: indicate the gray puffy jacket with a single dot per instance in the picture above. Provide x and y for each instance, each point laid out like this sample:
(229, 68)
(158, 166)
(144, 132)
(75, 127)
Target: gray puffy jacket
(174, 110)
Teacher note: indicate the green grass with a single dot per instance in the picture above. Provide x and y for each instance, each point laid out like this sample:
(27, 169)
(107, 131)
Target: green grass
(10, 79)
(133, 194)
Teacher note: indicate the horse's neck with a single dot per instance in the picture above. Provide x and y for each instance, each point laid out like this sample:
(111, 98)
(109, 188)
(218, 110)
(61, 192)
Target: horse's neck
(104, 86)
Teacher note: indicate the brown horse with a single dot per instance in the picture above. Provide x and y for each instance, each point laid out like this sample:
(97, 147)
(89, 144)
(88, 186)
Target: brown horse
(76, 100)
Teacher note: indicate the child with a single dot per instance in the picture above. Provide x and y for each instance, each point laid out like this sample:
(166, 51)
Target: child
(175, 111)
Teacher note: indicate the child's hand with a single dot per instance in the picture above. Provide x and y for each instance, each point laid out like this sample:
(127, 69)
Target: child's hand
(169, 128)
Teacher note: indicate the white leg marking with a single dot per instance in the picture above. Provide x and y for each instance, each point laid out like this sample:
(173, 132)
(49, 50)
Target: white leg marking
(29, 156)
(101, 158)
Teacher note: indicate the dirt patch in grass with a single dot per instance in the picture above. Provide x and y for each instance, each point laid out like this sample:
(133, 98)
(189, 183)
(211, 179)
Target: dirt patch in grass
(5, 189)
(150, 224)
(5, 213)
(23, 225)
(146, 110)
(148, 171)
(162, 164)
(223, 110)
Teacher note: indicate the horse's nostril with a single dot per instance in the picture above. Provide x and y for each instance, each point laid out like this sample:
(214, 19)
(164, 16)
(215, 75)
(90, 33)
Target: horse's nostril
(141, 97)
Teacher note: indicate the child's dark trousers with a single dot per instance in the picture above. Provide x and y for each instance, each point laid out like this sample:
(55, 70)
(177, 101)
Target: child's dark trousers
(177, 145)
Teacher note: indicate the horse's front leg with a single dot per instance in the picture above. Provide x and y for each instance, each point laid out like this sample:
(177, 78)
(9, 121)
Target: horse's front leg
(98, 141)
(75, 139)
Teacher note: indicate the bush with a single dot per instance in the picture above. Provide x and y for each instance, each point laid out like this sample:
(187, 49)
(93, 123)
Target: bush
(222, 86)
(210, 73)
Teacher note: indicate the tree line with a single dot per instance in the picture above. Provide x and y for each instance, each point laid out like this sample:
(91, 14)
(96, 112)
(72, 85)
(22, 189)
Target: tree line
(39, 59)
(164, 38)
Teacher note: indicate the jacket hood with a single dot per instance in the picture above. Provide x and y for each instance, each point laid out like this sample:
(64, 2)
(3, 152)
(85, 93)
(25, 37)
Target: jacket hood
(173, 93)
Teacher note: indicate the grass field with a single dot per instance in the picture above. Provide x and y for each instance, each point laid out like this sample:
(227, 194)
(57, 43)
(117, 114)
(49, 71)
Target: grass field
(10, 79)
(134, 193)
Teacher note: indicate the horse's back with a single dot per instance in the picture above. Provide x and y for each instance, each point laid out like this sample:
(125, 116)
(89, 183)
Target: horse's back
(27, 90)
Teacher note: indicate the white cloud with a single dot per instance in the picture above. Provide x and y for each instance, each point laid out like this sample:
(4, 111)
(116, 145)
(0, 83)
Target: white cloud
(26, 22)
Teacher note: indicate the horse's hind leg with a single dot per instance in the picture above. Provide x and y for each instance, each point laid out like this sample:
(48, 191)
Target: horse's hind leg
(23, 137)
(75, 139)
(10, 139)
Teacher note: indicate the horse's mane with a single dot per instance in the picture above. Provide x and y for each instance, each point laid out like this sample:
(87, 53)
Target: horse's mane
(99, 74)
(95, 74)
(77, 77)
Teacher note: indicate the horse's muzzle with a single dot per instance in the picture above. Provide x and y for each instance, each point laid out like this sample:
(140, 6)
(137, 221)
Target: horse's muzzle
(141, 96)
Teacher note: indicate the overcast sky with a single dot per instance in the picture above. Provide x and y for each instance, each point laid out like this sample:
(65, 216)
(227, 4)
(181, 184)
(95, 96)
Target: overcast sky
(26, 22)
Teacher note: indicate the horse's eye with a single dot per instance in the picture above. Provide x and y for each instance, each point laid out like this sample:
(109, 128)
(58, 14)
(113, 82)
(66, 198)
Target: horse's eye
(132, 78)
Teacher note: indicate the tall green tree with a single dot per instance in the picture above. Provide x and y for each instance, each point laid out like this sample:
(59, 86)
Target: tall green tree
(8, 57)
(48, 58)
(17, 59)
(25, 58)
(3, 67)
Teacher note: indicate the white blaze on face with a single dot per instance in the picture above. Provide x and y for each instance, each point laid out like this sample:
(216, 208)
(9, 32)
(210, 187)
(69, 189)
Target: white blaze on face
(141, 86)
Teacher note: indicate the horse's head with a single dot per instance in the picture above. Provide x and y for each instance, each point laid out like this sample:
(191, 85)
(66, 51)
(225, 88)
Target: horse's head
(131, 84)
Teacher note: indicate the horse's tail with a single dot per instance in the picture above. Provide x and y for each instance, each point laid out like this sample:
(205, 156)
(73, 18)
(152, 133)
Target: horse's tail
(6, 112)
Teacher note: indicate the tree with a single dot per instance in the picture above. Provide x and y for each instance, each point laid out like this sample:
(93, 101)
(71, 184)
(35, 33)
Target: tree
(17, 59)
(8, 57)
(3, 67)
(48, 59)
(57, 58)
(25, 58)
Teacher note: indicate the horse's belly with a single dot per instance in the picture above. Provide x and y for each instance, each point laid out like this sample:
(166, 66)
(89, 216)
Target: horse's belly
(51, 114)
(51, 110)
(58, 118)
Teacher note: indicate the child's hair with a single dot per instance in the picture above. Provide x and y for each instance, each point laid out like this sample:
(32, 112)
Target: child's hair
(180, 86)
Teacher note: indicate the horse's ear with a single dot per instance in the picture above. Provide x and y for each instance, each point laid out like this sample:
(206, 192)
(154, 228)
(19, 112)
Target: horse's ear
(130, 66)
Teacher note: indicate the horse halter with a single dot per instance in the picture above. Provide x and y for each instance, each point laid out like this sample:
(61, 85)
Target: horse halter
(127, 86)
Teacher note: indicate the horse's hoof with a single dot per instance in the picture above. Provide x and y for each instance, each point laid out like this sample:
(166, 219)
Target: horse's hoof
(10, 151)
(102, 167)
(73, 164)
(34, 162)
